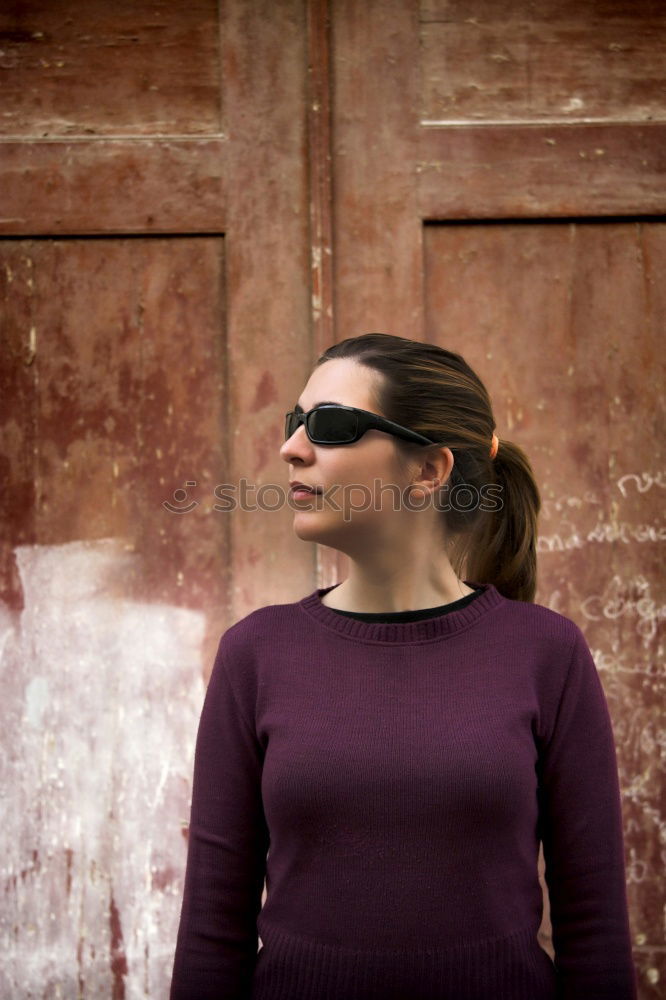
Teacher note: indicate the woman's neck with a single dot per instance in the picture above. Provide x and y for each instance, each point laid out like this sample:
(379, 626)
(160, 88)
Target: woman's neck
(404, 592)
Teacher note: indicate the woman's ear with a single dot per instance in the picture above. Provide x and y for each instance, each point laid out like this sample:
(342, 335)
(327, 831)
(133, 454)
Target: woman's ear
(434, 468)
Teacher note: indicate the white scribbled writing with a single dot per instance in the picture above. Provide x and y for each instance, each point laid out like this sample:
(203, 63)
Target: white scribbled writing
(631, 600)
(648, 480)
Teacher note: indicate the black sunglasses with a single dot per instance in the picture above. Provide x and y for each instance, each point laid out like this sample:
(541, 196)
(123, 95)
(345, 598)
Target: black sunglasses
(337, 424)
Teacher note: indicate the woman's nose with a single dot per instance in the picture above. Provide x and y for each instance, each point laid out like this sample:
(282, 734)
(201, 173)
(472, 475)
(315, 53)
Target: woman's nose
(298, 445)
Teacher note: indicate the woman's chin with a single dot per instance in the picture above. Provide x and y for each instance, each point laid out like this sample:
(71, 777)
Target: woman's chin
(311, 527)
(308, 532)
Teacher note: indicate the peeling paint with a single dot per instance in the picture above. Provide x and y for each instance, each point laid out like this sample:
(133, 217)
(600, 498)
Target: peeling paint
(36, 700)
(32, 347)
(101, 699)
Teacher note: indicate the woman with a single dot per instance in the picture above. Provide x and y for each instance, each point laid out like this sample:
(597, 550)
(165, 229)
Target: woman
(402, 740)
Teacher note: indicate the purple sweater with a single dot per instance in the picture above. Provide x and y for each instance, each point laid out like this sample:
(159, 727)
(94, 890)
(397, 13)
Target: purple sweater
(402, 772)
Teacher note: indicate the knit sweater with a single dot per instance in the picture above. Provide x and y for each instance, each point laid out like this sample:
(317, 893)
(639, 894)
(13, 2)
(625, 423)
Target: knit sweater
(392, 780)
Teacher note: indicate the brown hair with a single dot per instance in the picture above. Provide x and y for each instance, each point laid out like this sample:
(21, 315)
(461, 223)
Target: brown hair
(435, 392)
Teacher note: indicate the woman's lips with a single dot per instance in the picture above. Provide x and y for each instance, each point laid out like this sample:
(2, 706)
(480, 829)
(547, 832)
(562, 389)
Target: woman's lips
(295, 486)
(301, 491)
(301, 494)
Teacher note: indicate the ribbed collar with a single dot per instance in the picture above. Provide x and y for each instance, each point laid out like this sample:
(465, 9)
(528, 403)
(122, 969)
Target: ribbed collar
(428, 629)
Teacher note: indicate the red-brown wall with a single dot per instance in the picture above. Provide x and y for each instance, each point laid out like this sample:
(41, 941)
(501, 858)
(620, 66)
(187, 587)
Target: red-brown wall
(193, 204)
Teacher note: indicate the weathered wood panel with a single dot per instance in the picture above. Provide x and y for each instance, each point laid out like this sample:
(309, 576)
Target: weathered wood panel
(513, 171)
(116, 186)
(114, 591)
(588, 60)
(94, 68)
(114, 373)
(564, 323)
(101, 696)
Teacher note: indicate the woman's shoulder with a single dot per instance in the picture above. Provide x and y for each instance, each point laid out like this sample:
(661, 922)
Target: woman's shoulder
(542, 623)
(262, 625)
(247, 649)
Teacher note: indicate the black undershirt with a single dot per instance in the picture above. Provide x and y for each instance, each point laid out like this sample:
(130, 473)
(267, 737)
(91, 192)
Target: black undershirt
(411, 616)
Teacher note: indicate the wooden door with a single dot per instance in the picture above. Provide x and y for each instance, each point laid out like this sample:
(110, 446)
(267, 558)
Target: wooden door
(499, 189)
(195, 202)
(155, 296)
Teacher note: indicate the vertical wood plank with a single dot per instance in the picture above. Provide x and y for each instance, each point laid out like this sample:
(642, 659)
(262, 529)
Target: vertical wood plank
(330, 563)
(268, 284)
(319, 157)
(377, 228)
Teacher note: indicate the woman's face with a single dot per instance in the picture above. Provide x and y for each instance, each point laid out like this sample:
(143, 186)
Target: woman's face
(357, 513)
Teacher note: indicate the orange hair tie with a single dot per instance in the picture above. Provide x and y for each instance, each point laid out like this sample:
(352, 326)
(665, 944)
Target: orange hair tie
(494, 446)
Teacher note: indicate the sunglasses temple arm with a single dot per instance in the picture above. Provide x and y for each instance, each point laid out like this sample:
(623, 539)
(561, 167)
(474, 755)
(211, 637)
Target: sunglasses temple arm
(408, 435)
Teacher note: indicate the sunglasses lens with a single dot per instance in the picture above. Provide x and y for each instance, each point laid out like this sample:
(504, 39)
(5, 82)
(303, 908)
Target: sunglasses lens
(325, 426)
(331, 426)
(290, 425)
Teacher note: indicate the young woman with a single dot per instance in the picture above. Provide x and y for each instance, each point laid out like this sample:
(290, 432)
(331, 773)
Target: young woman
(389, 751)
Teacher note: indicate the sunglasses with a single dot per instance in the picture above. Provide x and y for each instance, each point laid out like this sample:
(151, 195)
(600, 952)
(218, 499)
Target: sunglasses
(331, 424)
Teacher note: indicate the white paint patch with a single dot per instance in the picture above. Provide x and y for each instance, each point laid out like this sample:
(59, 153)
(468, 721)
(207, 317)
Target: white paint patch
(36, 700)
(101, 700)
